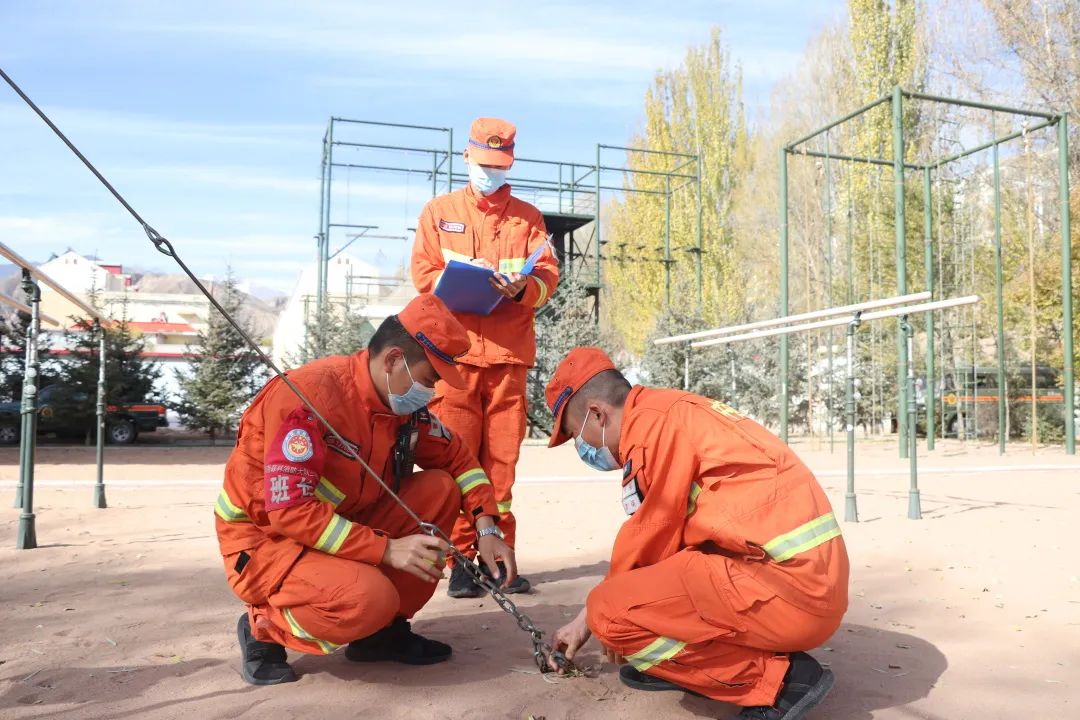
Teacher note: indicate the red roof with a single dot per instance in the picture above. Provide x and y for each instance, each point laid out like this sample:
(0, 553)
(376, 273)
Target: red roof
(162, 327)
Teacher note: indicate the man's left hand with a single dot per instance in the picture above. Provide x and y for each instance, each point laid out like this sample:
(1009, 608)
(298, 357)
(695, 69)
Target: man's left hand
(509, 285)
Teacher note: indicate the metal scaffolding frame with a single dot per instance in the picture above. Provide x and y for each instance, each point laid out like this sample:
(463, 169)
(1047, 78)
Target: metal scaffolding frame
(572, 191)
(24, 490)
(896, 98)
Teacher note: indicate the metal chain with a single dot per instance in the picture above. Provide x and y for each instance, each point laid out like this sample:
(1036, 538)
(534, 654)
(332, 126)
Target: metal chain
(541, 650)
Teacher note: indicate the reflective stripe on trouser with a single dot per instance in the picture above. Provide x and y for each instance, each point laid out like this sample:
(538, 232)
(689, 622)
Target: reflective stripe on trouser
(227, 510)
(489, 416)
(326, 600)
(805, 537)
(700, 622)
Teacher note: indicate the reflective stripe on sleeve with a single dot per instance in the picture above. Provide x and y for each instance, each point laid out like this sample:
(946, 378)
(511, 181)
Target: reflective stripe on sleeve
(656, 652)
(334, 535)
(691, 504)
(328, 492)
(543, 291)
(471, 479)
(227, 510)
(504, 507)
(803, 538)
(326, 647)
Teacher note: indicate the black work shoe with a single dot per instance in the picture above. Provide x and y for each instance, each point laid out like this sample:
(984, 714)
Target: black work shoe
(462, 584)
(520, 584)
(634, 678)
(399, 643)
(263, 663)
(805, 685)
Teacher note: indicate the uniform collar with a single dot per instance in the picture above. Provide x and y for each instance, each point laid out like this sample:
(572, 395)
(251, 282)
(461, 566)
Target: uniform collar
(486, 203)
(366, 384)
(628, 407)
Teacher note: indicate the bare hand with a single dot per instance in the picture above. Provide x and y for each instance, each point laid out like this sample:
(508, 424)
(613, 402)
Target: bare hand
(419, 555)
(569, 639)
(481, 262)
(509, 284)
(491, 548)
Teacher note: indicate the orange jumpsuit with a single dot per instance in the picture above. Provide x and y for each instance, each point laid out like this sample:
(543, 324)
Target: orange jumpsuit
(489, 413)
(302, 528)
(730, 558)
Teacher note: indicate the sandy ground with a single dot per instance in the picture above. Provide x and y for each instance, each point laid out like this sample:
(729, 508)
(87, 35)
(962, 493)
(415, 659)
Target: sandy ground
(973, 612)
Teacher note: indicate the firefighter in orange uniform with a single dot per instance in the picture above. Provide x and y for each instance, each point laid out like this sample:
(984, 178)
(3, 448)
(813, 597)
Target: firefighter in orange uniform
(730, 564)
(484, 224)
(318, 551)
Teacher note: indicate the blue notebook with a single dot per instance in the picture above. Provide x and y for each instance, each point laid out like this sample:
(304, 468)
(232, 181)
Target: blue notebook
(466, 288)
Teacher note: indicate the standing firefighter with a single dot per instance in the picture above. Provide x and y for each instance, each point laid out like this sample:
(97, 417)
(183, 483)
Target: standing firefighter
(320, 553)
(731, 563)
(484, 224)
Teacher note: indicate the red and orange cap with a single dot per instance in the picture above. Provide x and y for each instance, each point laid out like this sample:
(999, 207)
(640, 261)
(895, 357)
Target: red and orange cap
(491, 142)
(443, 338)
(576, 369)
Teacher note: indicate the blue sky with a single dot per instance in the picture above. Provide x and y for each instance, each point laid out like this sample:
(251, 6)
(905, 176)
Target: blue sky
(209, 116)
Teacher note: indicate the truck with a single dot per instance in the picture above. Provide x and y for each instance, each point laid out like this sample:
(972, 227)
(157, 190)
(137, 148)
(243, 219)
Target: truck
(123, 423)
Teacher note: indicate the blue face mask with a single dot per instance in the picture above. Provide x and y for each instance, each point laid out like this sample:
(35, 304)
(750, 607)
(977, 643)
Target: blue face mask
(415, 398)
(486, 180)
(597, 458)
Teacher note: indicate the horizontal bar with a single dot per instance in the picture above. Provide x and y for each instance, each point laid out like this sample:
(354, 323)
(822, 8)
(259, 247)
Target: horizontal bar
(979, 105)
(996, 141)
(357, 166)
(660, 173)
(15, 258)
(835, 322)
(388, 124)
(353, 225)
(400, 148)
(23, 308)
(801, 317)
(647, 151)
(853, 158)
(841, 121)
(551, 162)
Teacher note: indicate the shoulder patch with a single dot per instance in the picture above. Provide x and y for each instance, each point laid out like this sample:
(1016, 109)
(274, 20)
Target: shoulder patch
(297, 445)
(451, 227)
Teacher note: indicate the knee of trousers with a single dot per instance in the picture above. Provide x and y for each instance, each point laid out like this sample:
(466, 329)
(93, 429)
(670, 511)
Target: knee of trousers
(354, 610)
(442, 498)
(605, 612)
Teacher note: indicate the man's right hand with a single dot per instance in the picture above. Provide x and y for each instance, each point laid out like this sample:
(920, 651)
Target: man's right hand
(569, 638)
(419, 555)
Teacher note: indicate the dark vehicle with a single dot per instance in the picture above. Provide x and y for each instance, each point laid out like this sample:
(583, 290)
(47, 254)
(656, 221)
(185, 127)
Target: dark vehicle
(123, 423)
(972, 395)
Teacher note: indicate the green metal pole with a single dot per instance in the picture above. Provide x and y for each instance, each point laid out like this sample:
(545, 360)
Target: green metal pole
(784, 309)
(851, 508)
(99, 486)
(829, 283)
(434, 174)
(1066, 284)
(667, 240)
(700, 247)
(901, 261)
(851, 237)
(597, 221)
(998, 282)
(22, 430)
(26, 538)
(928, 248)
(450, 161)
(914, 505)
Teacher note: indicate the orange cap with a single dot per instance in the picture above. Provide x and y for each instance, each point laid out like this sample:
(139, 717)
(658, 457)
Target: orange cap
(576, 369)
(491, 142)
(443, 338)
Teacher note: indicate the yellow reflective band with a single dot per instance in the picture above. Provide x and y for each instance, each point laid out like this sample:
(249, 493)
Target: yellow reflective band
(504, 507)
(471, 479)
(334, 535)
(328, 492)
(803, 538)
(227, 510)
(326, 647)
(512, 264)
(656, 652)
(543, 291)
(691, 504)
(449, 255)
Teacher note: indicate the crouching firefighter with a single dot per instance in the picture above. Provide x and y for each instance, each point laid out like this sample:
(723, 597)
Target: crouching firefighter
(731, 564)
(319, 552)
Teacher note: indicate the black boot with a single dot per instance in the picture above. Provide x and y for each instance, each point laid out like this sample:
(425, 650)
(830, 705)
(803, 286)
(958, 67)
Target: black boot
(520, 584)
(399, 643)
(462, 584)
(634, 678)
(263, 663)
(805, 685)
